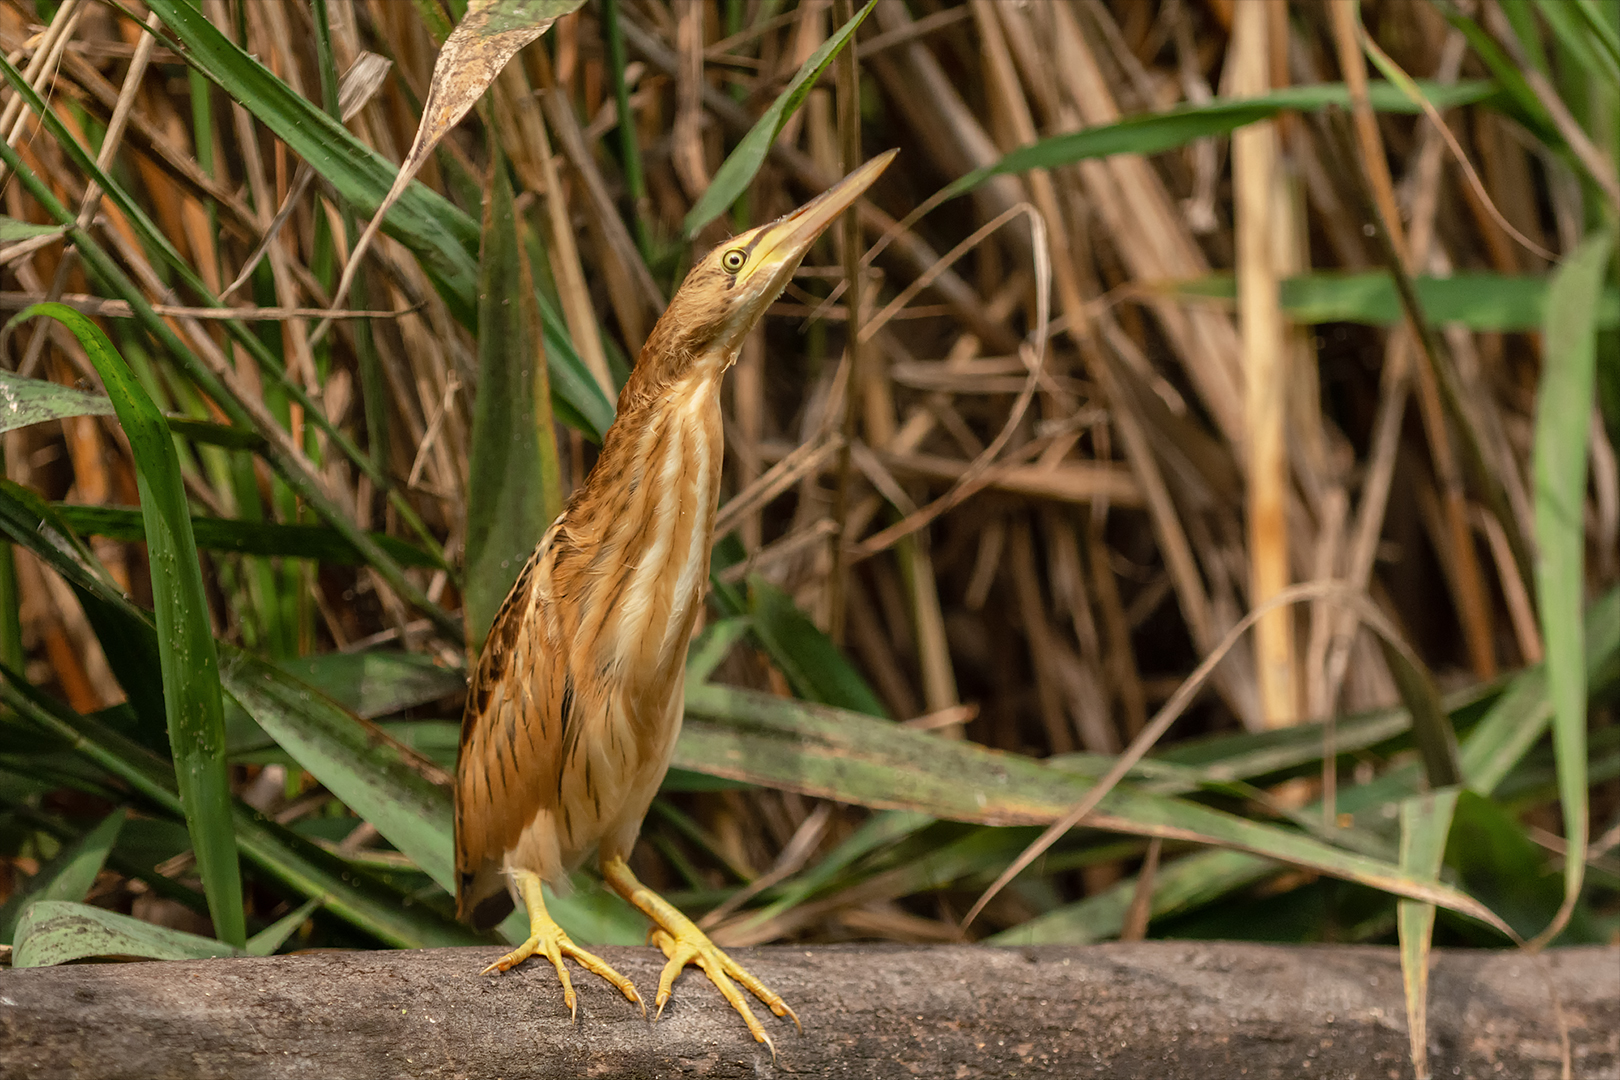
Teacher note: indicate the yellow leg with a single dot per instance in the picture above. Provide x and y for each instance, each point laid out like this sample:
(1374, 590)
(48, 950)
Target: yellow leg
(683, 943)
(547, 939)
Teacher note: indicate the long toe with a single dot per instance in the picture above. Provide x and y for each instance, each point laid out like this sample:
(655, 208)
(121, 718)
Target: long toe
(593, 963)
(552, 943)
(694, 947)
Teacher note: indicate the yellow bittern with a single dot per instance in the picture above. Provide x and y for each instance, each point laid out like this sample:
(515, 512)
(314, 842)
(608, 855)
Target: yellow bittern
(574, 707)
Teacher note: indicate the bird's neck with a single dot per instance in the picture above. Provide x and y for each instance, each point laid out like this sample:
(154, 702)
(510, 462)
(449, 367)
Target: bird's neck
(651, 501)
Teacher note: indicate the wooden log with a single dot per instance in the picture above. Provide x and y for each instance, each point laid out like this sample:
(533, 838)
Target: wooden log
(1147, 1009)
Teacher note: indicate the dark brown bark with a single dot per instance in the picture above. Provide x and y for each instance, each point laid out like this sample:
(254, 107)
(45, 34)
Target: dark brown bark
(1149, 1009)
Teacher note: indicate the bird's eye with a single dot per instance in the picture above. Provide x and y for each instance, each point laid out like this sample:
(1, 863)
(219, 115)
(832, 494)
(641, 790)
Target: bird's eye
(733, 260)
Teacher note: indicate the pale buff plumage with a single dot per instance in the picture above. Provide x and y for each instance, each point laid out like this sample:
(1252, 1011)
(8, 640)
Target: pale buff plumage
(576, 701)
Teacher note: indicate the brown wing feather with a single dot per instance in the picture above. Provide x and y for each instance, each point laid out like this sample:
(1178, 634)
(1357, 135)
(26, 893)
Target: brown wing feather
(511, 740)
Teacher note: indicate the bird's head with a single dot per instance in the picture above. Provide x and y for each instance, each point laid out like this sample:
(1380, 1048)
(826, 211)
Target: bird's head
(727, 292)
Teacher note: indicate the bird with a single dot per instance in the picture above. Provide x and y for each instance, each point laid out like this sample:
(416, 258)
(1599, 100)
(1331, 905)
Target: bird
(576, 698)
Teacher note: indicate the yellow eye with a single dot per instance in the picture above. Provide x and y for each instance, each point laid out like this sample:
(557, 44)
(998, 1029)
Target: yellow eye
(733, 260)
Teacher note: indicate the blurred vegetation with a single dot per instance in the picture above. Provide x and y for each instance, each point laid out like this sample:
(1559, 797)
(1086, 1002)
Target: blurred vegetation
(262, 497)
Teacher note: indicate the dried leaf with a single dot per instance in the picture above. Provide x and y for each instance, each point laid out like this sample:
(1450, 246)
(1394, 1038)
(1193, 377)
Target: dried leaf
(489, 35)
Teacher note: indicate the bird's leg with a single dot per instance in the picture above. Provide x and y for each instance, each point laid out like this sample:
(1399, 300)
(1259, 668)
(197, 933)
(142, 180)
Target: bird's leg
(685, 944)
(547, 939)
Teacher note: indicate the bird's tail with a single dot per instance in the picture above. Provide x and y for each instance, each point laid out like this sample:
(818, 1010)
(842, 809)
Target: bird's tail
(482, 896)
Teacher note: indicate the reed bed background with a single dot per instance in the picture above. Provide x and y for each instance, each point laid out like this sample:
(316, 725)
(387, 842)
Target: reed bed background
(1200, 315)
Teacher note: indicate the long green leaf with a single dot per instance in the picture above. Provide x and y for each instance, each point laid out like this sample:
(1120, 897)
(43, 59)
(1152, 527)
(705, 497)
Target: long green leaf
(1512, 723)
(1563, 418)
(1479, 301)
(283, 856)
(369, 774)
(315, 542)
(56, 931)
(576, 397)
(1517, 719)
(1591, 41)
(34, 401)
(831, 753)
(1152, 133)
(66, 877)
(191, 693)
(514, 489)
(815, 667)
(1522, 101)
(735, 173)
(377, 683)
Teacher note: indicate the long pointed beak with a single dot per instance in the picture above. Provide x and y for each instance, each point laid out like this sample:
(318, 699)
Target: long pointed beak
(787, 239)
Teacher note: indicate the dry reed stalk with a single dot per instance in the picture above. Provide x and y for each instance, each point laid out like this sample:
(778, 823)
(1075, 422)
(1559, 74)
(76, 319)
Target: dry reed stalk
(1150, 237)
(856, 354)
(1038, 632)
(1258, 192)
(518, 119)
(1472, 602)
(41, 69)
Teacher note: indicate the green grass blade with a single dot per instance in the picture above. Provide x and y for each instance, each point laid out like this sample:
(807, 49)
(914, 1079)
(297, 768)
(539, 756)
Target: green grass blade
(1431, 726)
(1523, 103)
(279, 854)
(316, 542)
(13, 231)
(56, 931)
(1248, 755)
(191, 694)
(1153, 133)
(1425, 824)
(66, 877)
(1478, 301)
(1563, 419)
(629, 149)
(1516, 720)
(1586, 36)
(34, 401)
(269, 940)
(737, 171)
(1602, 29)
(712, 646)
(514, 488)
(815, 667)
(439, 234)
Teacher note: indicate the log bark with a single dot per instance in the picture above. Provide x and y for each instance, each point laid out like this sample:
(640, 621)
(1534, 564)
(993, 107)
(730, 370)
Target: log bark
(1149, 1009)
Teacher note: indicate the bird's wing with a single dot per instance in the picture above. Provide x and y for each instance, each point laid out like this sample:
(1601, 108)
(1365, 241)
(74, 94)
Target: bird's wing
(511, 738)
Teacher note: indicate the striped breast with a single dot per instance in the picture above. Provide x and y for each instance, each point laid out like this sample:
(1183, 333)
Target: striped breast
(638, 562)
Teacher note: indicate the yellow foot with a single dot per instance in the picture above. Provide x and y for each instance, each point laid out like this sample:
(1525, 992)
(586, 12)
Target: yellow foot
(689, 945)
(553, 944)
(683, 943)
(547, 939)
